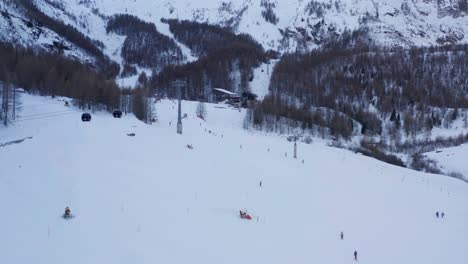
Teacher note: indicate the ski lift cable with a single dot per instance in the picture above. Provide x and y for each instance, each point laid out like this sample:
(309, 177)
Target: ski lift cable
(45, 114)
(43, 117)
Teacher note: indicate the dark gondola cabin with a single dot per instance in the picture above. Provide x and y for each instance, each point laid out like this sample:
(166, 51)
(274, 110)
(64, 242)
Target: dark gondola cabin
(86, 117)
(117, 114)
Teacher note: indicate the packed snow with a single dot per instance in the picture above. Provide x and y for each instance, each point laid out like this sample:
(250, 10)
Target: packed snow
(261, 82)
(451, 160)
(148, 198)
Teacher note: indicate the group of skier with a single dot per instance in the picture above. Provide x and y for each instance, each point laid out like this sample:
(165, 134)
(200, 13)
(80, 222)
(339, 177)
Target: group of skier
(355, 251)
(438, 215)
(441, 214)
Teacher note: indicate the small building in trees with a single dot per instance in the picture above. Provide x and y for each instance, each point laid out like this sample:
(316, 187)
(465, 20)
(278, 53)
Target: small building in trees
(225, 95)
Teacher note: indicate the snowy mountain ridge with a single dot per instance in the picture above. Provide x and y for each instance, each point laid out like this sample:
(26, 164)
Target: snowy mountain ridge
(279, 25)
(305, 24)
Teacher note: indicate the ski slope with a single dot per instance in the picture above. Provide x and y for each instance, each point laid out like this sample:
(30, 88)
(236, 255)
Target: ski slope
(451, 159)
(150, 199)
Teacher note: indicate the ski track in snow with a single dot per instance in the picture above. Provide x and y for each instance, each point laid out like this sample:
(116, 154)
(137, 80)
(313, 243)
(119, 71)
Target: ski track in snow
(150, 199)
(261, 81)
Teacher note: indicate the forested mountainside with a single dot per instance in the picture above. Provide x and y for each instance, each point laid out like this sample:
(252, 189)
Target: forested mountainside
(55, 75)
(281, 26)
(391, 99)
(144, 45)
(412, 88)
(39, 72)
(226, 60)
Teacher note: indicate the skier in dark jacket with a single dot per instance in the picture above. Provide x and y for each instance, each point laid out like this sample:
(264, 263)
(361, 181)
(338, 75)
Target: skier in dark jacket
(437, 214)
(67, 212)
(355, 255)
(442, 215)
(342, 235)
(242, 214)
(245, 215)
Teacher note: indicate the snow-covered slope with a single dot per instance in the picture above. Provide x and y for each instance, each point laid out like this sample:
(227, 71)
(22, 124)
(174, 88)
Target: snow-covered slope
(262, 74)
(150, 199)
(451, 160)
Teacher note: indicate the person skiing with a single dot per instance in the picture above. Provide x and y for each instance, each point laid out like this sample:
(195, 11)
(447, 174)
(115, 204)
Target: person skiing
(355, 255)
(67, 212)
(437, 214)
(342, 235)
(244, 215)
(442, 215)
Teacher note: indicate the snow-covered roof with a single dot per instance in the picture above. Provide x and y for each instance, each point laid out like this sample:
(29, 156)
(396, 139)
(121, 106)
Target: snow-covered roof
(225, 91)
